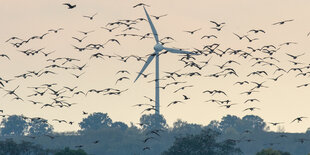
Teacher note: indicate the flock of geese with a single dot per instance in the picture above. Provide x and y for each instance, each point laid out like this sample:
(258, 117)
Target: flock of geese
(59, 95)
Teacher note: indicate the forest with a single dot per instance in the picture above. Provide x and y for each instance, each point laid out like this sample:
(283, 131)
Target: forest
(100, 135)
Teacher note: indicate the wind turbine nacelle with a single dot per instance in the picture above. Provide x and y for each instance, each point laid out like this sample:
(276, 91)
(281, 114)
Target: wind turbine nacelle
(158, 47)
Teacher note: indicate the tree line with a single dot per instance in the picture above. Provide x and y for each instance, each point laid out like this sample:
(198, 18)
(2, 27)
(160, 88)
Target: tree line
(98, 134)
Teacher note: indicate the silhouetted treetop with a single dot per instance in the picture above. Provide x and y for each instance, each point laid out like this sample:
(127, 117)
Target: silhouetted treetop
(95, 121)
(14, 125)
(153, 121)
(204, 143)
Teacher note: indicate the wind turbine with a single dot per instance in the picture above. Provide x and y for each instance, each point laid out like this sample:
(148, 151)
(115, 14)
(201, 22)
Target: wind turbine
(158, 47)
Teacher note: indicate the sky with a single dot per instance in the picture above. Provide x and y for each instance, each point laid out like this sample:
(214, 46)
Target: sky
(282, 101)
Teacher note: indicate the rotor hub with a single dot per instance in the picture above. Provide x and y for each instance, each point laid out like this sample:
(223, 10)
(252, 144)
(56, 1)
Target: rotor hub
(158, 47)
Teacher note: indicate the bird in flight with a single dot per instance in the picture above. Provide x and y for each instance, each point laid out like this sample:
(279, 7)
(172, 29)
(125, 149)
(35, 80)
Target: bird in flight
(79, 67)
(259, 85)
(79, 40)
(251, 100)
(157, 17)
(13, 38)
(303, 85)
(4, 55)
(217, 24)
(145, 75)
(240, 37)
(288, 43)
(217, 28)
(151, 100)
(91, 17)
(251, 108)
(295, 63)
(250, 40)
(208, 36)
(276, 78)
(70, 6)
(186, 97)
(86, 32)
(147, 139)
(303, 74)
(295, 56)
(113, 40)
(120, 79)
(11, 92)
(174, 102)
(122, 71)
(257, 73)
(47, 54)
(242, 82)
(295, 69)
(47, 105)
(59, 121)
(139, 105)
(55, 31)
(249, 92)
(182, 88)
(96, 141)
(148, 109)
(140, 4)
(227, 105)
(192, 32)
(298, 119)
(79, 146)
(282, 22)
(257, 30)
(109, 29)
(77, 76)
(275, 123)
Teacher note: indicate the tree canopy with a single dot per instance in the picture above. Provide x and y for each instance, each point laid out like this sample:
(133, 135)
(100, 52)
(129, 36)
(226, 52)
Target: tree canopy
(14, 125)
(10, 147)
(204, 143)
(153, 121)
(248, 122)
(95, 121)
(103, 136)
(40, 127)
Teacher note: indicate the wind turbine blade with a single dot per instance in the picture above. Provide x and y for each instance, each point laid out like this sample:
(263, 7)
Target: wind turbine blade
(148, 61)
(152, 26)
(172, 50)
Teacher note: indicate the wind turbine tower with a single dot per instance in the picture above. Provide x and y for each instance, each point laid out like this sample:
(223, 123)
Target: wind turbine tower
(158, 47)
